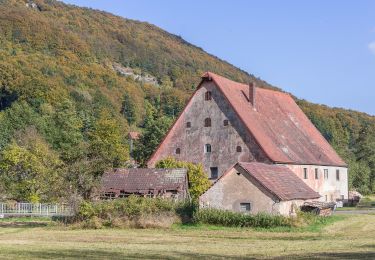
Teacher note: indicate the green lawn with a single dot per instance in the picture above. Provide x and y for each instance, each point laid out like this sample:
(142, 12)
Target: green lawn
(349, 237)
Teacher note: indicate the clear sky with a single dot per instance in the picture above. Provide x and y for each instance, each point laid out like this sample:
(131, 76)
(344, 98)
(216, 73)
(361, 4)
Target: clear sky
(322, 51)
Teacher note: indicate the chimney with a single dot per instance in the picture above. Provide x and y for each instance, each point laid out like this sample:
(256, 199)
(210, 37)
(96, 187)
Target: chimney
(252, 93)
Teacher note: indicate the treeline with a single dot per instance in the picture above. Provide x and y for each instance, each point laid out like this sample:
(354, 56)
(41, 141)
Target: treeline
(352, 134)
(65, 112)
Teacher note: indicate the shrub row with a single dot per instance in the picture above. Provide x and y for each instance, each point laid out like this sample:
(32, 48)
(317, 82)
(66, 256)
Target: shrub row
(134, 212)
(233, 219)
(142, 212)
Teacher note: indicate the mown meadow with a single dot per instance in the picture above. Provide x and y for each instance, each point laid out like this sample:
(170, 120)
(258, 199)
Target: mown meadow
(342, 237)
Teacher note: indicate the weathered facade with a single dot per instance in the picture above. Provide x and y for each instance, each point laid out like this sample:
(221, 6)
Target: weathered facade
(223, 139)
(257, 187)
(165, 183)
(330, 181)
(226, 122)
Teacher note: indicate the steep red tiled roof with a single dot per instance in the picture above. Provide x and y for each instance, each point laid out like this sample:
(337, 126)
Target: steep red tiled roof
(279, 126)
(142, 180)
(279, 180)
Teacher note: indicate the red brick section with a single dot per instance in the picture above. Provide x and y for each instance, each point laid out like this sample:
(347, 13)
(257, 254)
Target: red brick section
(279, 126)
(134, 135)
(143, 180)
(279, 180)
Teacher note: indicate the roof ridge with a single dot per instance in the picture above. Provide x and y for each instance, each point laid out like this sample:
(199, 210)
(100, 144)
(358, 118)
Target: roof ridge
(211, 74)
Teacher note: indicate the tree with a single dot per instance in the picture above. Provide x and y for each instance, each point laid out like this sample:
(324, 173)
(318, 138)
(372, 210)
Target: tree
(366, 152)
(155, 128)
(128, 109)
(198, 180)
(31, 171)
(63, 129)
(106, 141)
(359, 176)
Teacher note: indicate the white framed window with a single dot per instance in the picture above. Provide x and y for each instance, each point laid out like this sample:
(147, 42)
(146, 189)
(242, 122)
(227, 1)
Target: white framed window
(326, 174)
(207, 148)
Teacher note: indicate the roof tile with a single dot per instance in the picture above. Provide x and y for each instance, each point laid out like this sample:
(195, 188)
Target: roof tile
(279, 180)
(277, 123)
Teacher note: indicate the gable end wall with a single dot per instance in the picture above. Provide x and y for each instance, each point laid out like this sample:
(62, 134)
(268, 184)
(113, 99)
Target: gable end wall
(223, 139)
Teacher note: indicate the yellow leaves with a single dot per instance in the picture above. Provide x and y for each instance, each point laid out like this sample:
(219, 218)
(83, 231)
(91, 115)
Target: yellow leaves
(198, 180)
(106, 139)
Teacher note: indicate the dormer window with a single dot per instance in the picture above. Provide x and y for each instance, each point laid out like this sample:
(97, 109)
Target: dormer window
(188, 124)
(207, 95)
(178, 151)
(207, 122)
(207, 148)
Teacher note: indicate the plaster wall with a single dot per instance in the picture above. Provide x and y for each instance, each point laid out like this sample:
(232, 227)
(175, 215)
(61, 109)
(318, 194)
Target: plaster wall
(223, 139)
(329, 188)
(233, 189)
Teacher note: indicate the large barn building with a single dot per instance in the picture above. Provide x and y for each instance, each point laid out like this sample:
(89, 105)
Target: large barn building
(226, 122)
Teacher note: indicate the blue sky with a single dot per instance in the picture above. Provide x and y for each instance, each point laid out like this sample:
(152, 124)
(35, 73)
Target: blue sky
(322, 51)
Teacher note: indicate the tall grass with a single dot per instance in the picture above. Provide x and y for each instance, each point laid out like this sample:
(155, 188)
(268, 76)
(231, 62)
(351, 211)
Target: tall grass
(233, 219)
(133, 212)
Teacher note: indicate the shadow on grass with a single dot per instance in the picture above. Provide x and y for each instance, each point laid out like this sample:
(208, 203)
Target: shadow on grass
(31, 224)
(102, 254)
(327, 255)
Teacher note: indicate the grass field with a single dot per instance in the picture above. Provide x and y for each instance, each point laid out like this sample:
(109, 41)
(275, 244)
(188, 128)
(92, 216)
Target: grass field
(349, 237)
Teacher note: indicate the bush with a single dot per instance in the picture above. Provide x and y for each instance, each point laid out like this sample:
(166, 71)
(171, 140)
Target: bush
(134, 211)
(233, 219)
(198, 180)
(139, 212)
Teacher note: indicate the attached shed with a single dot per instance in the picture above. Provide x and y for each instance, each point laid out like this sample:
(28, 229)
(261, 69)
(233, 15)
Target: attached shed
(165, 183)
(319, 208)
(258, 187)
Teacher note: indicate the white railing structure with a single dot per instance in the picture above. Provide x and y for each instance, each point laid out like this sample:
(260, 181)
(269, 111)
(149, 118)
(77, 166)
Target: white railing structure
(37, 209)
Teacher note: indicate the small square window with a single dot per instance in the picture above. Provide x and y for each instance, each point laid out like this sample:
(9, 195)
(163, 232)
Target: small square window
(225, 122)
(207, 95)
(214, 173)
(238, 149)
(326, 174)
(316, 174)
(305, 173)
(207, 122)
(337, 175)
(178, 151)
(188, 124)
(245, 207)
(207, 148)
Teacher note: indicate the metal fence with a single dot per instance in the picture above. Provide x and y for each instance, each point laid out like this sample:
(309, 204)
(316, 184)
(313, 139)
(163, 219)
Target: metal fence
(38, 209)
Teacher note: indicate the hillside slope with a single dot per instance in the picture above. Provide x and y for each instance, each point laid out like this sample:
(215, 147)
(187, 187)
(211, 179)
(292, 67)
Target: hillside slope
(64, 82)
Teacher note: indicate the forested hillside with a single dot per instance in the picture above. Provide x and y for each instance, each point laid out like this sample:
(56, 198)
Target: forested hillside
(67, 104)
